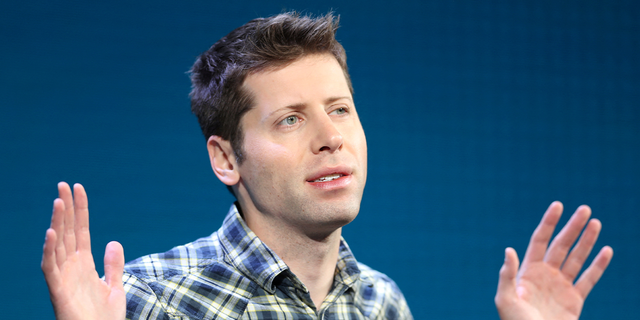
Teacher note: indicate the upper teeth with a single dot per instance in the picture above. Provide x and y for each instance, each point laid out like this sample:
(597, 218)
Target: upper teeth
(328, 178)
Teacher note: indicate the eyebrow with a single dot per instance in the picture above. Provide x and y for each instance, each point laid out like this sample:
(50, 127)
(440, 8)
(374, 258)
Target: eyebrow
(297, 106)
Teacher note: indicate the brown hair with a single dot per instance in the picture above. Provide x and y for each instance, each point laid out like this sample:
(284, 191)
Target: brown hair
(218, 98)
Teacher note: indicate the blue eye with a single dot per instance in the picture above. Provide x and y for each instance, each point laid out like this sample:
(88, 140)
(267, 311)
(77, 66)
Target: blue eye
(290, 120)
(340, 111)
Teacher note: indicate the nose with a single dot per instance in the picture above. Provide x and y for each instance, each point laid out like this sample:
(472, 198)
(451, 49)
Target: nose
(328, 137)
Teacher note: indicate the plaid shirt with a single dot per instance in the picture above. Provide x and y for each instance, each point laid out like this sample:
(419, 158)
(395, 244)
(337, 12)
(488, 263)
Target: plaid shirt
(233, 275)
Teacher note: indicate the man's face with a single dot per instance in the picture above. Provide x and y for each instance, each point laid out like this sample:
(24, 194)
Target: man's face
(306, 153)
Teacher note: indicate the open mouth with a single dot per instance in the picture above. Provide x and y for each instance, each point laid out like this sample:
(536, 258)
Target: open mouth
(329, 177)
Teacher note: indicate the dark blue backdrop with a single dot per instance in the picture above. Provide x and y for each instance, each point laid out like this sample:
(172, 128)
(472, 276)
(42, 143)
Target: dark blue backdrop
(478, 114)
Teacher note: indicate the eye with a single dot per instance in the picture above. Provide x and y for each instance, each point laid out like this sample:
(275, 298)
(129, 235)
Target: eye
(340, 110)
(289, 121)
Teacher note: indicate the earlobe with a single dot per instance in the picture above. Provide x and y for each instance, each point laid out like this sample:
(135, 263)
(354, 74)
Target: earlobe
(223, 160)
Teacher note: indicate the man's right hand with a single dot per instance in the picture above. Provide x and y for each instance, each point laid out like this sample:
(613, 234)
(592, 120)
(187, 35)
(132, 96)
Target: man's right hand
(76, 290)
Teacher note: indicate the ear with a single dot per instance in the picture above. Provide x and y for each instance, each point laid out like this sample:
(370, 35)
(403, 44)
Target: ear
(223, 160)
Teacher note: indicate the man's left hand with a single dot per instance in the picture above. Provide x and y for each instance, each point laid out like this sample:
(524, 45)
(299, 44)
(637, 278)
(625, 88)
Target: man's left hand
(543, 287)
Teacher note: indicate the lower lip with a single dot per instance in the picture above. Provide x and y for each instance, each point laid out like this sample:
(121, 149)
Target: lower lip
(333, 184)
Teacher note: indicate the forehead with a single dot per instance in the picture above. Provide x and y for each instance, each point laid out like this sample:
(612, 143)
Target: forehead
(302, 81)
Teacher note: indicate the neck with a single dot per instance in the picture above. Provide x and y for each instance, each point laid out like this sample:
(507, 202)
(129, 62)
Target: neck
(313, 262)
(312, 259)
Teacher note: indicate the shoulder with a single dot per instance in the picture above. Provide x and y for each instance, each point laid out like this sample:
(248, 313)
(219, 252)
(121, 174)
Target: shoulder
(380, 296)
(190, 281)
(179, 260)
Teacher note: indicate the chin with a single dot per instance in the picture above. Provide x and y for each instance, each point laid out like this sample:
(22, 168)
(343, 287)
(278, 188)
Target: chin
(337, 216)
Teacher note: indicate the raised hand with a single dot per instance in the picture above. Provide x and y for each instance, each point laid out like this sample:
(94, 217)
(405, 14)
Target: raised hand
(544, 286)
(76, 290)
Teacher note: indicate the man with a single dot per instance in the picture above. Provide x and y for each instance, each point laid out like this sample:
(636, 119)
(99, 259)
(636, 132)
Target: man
(274, 100)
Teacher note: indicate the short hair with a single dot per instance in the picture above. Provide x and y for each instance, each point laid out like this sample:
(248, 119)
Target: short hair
(218, 98)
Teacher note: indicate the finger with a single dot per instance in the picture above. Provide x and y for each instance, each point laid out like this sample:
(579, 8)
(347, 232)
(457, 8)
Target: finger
(561, 244)
(114, 264)
(541, 236)
(507, 281)
(69, 232)
(57, 224)
(581, 251)
(49, 264)
(590, 277)
(81, 205)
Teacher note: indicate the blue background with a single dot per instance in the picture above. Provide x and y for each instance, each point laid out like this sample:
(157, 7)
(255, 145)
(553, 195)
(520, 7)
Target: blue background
(478, 115)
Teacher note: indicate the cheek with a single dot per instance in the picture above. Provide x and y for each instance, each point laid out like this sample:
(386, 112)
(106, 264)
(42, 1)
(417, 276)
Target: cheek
(268, 161)
(360, 145)
(363, 143)
(363, 154)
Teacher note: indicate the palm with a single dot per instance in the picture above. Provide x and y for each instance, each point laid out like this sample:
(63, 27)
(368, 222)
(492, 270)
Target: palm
(544, 286)
(76, 290)
(562, 302)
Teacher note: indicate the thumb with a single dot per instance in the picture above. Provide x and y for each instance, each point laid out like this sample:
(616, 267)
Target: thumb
(508, 273)
(114, 264)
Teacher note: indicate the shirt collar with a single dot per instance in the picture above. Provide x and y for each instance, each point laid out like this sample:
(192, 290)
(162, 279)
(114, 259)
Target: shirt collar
(347, 270)
(255, 260)
(248, 253)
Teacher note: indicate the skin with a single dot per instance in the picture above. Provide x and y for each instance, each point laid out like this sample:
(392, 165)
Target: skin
(75, 288)
(543, 287)
(304, 123)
